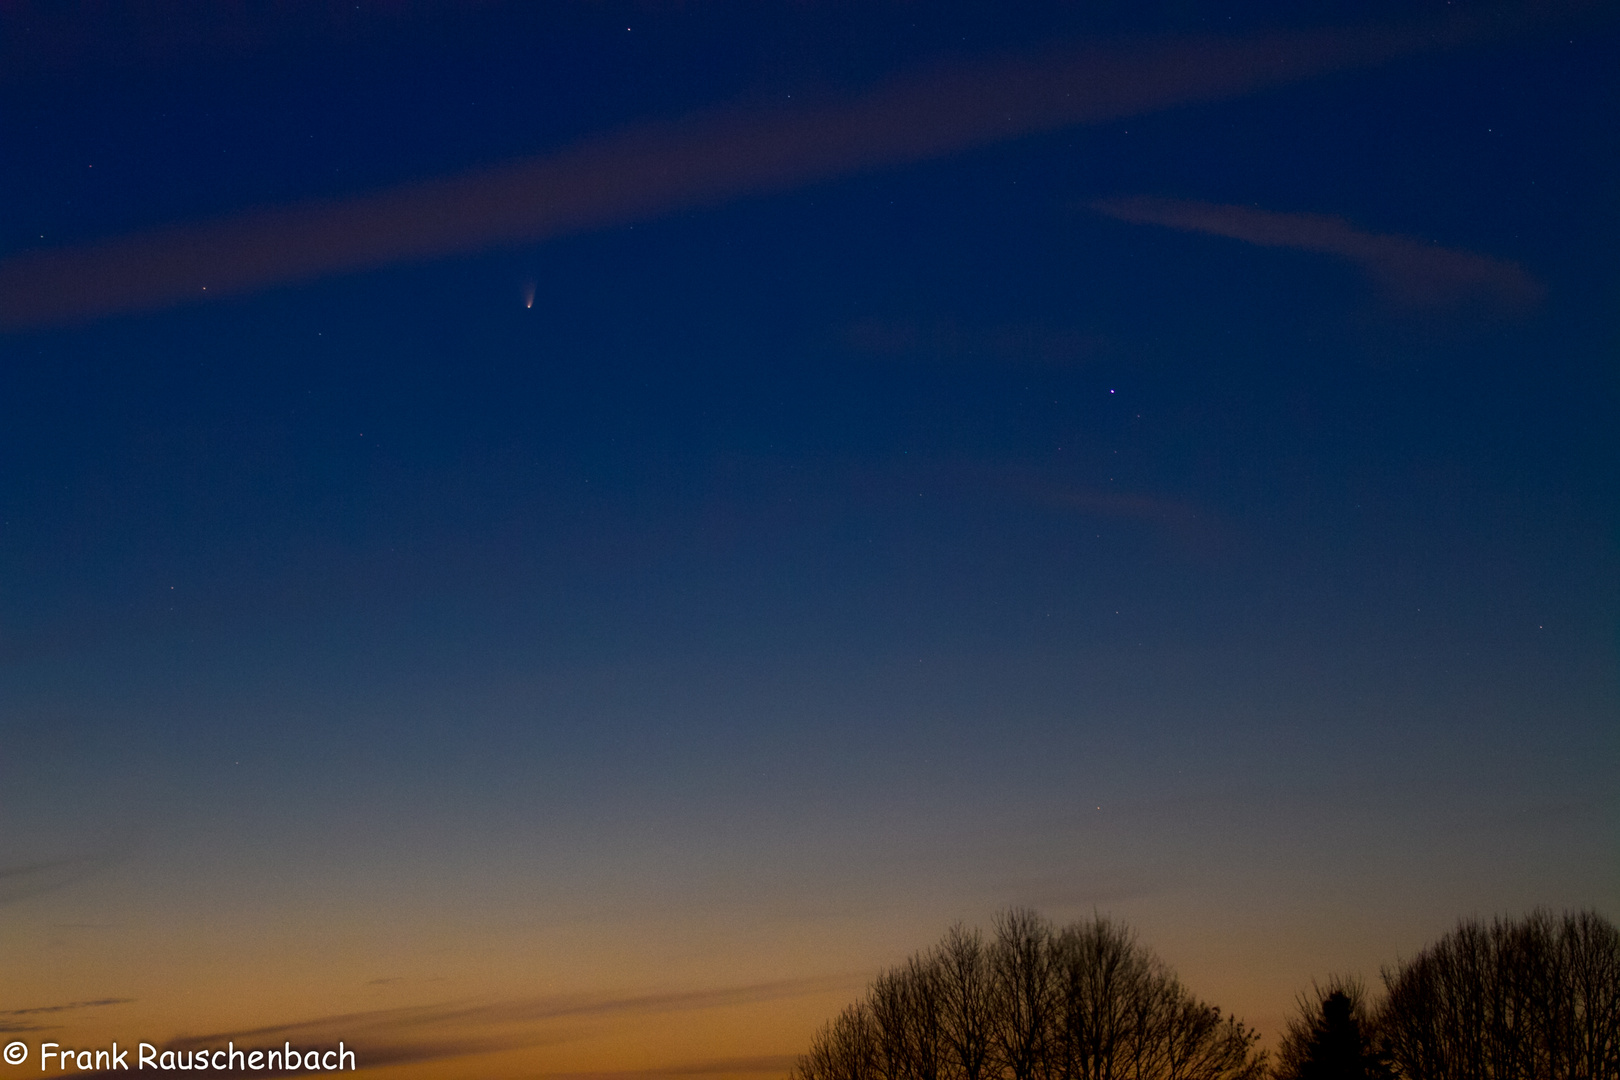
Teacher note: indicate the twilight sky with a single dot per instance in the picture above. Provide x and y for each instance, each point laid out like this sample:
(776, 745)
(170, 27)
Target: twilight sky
(555, 540)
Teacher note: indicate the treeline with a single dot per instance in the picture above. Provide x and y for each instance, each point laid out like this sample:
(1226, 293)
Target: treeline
(1529, 999)
(1532, 999)
(1034, 1002)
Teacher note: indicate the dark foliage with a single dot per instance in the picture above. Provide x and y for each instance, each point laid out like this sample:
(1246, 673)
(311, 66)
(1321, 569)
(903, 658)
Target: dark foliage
(1332, 1038)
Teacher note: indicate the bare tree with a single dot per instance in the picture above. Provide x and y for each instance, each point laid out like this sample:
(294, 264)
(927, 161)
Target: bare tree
(1084, 1002)
(1103, 978)
(845, 1049)
(1021, 964)
(1535, 999)
(908, 1009)
(964, 967)
(1201, 1044)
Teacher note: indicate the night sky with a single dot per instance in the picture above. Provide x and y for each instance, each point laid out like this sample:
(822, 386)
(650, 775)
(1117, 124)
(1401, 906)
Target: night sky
(668, 506)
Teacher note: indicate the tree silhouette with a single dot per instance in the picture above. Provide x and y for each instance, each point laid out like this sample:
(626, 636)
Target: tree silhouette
(1332, 1037)
(1536, 999)
(1084, 1002)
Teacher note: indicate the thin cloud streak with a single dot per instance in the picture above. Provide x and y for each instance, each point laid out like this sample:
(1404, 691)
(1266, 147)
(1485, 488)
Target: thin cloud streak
(1414, 272)
(69, 1007)
(767, 1064)
(416, 1034)
(774, 1064)
(1095, 888)
(434, 1032)
(708, 159)
(19, 882)
(1171, 514)
(418, 1017)
(1192, 526)
(946, 340)
(9, 1026)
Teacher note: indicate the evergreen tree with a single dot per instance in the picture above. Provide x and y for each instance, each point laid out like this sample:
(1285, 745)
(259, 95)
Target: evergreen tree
(1332, 1037)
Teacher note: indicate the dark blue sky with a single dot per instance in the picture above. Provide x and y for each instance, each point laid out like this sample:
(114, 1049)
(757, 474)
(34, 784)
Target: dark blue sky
(810, 557)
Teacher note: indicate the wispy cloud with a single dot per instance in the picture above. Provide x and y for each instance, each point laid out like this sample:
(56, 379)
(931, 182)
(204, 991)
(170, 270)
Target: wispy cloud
(433, 1032)
(704, 160)
(9, 1021)
(1193, 527)
(771, 1064)
(545, 1008)
(946, 340)
(1414, 271)
(22, 880)
(68, 1007)
(1058, 892)
(752, 1065)
(1172, 514)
